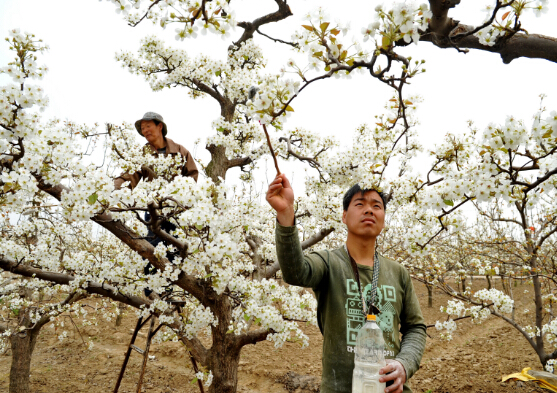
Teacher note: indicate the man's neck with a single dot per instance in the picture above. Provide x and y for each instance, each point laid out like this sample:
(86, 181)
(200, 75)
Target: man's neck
(159, 144)
(362, 250)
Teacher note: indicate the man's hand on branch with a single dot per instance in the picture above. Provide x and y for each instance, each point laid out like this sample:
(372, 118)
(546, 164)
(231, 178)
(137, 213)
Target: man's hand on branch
(281, 198)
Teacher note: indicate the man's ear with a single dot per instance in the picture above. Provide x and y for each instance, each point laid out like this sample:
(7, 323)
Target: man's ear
(344, 217)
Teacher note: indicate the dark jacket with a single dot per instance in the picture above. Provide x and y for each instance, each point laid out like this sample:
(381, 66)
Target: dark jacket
(188, 167)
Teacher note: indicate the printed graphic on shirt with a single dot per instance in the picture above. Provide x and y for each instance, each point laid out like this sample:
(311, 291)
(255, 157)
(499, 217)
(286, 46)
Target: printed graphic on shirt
(386, 296)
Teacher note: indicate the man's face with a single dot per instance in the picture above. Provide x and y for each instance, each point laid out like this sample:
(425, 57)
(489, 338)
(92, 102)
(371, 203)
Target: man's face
(151, 131)
(365, 215)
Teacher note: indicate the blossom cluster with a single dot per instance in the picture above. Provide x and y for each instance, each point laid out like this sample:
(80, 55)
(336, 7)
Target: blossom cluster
(401, 21)
(448, 326)
(321, 41)
(272, 98)
(490, 34)
(190, 15)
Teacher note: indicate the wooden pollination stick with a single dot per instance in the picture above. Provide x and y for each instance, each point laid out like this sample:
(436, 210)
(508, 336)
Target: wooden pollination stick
(271, 148)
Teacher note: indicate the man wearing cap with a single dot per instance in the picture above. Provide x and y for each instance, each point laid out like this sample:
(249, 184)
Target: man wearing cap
(153, 128)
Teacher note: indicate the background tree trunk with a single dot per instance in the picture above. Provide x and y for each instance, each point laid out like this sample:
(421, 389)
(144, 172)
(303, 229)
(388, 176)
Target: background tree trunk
(120, 316)
(429, 295)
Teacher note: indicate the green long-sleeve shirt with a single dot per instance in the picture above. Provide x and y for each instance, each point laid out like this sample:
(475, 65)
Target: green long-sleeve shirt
(339, 307)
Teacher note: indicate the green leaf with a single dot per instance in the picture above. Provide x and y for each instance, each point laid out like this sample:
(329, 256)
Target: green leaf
(175, 191)
(218, 73)
(92, 198)
(199, 226)
(289, 108)
(328, 68)
(246, 227)
(310, 28)
(208, 275)
(7, 187)
(335, 31)
(448, 202)
(246, 317)
(318, 54)
(193, 381)
(386, 42)
(324, 26)
(258, 321)
(350, 62)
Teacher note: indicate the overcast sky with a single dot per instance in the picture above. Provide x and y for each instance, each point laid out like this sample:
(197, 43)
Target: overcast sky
(86, 84)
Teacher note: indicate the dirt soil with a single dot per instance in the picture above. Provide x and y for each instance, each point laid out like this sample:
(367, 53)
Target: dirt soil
(473, 362)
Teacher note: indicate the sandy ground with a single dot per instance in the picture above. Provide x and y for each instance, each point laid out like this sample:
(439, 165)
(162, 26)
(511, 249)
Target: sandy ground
(473, 362)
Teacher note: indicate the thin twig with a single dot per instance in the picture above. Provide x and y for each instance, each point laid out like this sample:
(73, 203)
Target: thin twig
(271, 148)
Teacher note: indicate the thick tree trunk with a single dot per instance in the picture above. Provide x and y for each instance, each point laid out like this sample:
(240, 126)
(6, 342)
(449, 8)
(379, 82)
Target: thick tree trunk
(219, 163)
(224, 355)
(224, 365)
(23, 345)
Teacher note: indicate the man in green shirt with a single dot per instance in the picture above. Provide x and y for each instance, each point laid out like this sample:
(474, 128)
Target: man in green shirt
(340, 300)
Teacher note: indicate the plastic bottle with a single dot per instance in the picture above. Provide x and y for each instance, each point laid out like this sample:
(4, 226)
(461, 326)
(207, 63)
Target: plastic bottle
(369, 358)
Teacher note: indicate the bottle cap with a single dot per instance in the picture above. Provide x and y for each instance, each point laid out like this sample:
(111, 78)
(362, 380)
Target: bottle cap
(370, 317)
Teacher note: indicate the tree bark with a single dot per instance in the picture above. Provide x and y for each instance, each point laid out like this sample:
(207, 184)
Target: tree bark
(218, 165)
(429, 295)
(488, 282)
(224, 365)
(120, 316)
(505, 289)
(22, 344)
(445, 32)
(224, 355)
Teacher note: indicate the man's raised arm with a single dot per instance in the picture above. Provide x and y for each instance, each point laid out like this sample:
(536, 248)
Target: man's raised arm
(296, 269)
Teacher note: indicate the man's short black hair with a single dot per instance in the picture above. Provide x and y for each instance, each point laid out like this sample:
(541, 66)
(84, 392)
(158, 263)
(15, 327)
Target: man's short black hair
(357, 189)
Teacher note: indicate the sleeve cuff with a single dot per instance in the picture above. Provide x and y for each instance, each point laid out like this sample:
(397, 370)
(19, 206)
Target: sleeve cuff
(406, 366)
(285, 229)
